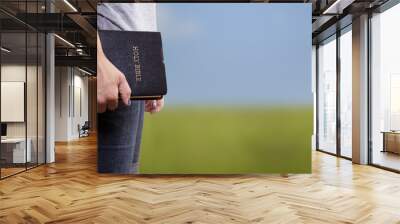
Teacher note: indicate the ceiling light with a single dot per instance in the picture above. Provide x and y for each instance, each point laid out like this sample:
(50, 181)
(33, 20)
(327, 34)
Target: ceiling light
(5, 50)
(337, 7)
(84, 71)
(64, 40)
(70, 5)
(79, 51)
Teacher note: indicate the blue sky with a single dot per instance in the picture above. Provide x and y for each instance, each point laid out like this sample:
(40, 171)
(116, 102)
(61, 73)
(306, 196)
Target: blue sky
(237, 53)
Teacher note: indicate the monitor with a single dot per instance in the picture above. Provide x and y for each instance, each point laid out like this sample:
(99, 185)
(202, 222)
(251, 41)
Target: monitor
(3, 129)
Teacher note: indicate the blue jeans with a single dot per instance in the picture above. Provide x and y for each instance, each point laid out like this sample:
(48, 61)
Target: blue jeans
(118, 139)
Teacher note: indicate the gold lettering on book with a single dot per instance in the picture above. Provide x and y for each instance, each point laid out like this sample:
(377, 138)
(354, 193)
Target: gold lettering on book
(136, 63)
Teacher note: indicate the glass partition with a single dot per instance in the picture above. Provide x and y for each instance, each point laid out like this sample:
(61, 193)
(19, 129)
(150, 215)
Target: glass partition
(31, 98)
(22, 77)
(41, 97)
(327, 95)
(385, 89)
(14, 152)
(346, 93)
(335, 94)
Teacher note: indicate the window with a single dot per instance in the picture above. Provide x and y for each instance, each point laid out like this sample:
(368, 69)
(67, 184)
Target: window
(385, 89)
(346, 92)
(327, 95)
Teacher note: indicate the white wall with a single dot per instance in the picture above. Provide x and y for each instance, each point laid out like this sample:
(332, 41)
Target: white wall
(70, 83)
(80, 100)
(16, 72)
(61, 104)
(33, 127)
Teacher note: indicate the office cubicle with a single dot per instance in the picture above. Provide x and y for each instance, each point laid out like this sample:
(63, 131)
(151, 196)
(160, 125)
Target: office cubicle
(22, 77)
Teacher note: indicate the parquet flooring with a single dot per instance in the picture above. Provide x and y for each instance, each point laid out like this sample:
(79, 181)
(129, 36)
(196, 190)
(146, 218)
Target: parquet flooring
(70, 191)
(11, 170)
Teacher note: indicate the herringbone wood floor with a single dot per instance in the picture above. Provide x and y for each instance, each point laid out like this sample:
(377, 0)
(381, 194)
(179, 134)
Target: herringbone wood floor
(70, 191)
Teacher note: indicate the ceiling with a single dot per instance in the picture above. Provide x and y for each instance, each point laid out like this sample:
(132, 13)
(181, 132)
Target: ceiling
(330, 15)
(76, 21)
(73, 21)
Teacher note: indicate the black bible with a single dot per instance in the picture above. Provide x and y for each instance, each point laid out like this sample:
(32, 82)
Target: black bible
(138, 55)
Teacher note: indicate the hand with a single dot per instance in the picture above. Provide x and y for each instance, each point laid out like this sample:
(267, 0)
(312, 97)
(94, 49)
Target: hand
(111, 83)
(154, 106)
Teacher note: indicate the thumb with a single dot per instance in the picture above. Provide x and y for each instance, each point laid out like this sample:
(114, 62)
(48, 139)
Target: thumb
(124, 90)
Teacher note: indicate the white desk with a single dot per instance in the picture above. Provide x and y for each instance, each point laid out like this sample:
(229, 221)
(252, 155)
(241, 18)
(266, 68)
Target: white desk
(18, 149)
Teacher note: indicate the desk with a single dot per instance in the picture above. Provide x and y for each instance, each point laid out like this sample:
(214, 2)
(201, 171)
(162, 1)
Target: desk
(13, 150)
(391, 141)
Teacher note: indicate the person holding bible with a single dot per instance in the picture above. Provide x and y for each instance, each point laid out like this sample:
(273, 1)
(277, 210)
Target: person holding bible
(120, 120)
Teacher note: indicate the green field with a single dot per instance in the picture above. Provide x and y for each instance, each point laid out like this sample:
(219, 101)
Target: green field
(227, 140)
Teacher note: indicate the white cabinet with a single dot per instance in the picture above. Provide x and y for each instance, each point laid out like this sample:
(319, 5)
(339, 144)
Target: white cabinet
(19, 155)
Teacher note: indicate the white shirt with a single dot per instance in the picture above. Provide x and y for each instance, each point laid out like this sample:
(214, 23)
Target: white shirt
(127, 16)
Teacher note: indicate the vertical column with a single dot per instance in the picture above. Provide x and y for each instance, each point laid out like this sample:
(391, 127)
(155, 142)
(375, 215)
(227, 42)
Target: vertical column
(338, 91)
(360, 90)
(92, 89)
(316, 95)
(313, 90)
(50, 92)
(63, 93)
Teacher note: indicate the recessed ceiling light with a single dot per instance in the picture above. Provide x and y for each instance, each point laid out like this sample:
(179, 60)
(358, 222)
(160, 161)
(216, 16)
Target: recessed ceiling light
(338, 6)
(84, 71)
(64, 40)
(70, 5)
(5, 50)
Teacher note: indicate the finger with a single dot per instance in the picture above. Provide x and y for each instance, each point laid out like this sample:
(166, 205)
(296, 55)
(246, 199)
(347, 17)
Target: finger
(154, 104)
(124, 90)
(147, 105)
(112, 104)
(160, 105)
(112, 101)
(150, 108)
(101, 108)
(101, 105)
(160, 102)
(147, 108)
(155, 107)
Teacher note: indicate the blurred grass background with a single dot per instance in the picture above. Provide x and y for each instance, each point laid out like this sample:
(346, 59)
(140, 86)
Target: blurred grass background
(227, 140)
